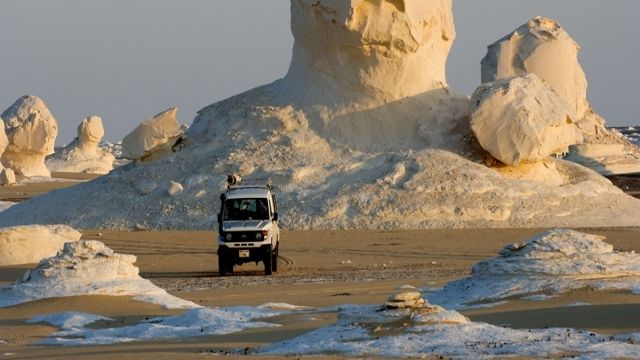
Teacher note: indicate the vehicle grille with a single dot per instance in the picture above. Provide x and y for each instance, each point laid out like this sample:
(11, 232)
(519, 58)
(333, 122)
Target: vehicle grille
(242, 236)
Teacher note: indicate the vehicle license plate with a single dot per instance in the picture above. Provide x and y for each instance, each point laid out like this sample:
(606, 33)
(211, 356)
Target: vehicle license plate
(244, 253)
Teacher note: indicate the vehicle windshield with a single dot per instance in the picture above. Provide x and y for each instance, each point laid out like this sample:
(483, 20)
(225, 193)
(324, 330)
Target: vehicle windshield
(246, 209)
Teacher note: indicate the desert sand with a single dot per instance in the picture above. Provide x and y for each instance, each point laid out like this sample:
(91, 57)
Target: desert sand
(349, 267)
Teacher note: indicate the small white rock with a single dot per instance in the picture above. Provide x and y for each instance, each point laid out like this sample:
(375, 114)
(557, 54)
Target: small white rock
(175, 189)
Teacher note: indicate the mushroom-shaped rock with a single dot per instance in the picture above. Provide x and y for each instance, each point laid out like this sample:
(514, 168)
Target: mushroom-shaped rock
(31, 131)
(153, 136)
(30, 244)
(83, 155)
(544, 48)
(90, 132)
(350, 50)
(522, 120)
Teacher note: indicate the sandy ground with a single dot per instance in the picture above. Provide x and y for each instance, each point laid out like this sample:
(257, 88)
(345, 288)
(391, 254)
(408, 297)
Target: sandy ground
(21, 192)
(317, 269)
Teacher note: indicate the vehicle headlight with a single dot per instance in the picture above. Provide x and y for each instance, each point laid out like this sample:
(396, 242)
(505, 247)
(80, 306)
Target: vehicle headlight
(229, 237)
(258, 236)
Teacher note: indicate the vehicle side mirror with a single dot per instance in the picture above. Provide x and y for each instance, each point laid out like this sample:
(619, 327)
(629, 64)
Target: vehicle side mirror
(275, 216)
(219, 218)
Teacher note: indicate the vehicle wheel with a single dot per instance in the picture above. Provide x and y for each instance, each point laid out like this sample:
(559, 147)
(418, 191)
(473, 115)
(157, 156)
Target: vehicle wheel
(268, 263)
(275, 259)
(222, 266)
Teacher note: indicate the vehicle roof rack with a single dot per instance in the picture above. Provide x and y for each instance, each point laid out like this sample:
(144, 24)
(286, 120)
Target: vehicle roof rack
(234, 181)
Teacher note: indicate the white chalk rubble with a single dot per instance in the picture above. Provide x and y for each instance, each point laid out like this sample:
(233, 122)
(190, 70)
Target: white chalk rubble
(551, 263)
(192, 323)
(429, 330)
(87, 268)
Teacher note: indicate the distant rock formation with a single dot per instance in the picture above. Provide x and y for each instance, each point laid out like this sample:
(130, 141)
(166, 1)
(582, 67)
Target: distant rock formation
(7, 176)
(520, 120)
(544, 48)
(83, 155)
(153, 137)
(31, 131)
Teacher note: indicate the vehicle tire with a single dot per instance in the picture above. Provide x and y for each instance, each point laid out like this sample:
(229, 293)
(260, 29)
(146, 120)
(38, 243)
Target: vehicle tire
(275, 259)
(268, 262)
(222, 266)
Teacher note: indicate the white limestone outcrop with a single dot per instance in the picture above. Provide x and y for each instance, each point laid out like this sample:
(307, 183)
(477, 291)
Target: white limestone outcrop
(348, 51)
(550, 263)
(544, 48)
(30, 244)
(371, 74)
(520, 120)
(153, 137)
(83, 154)
(31, 131)
(87, 268)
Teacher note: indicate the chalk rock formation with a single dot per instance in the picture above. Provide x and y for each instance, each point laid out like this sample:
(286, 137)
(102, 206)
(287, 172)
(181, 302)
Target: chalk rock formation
(32, 132)
(544, 48)
(399, 48)
(83, 154)
(355, 136)
(371, 74)
(407, 300)
(30, 244)
(87, 268)
(7, 177)
(521, 120)
(154, 136)
(549, 263)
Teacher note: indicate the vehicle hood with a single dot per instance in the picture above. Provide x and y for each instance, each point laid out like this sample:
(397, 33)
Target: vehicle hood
(246, 225)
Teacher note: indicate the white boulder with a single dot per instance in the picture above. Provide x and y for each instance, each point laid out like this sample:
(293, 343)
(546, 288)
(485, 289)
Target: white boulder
(522, 120)
(544, 48)
(175, 189)
(83, 155)
(30, 244)
(31, 131)
(87, 268)
(153, 136)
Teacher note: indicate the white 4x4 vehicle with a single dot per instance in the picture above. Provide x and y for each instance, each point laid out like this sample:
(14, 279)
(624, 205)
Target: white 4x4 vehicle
(248, 225)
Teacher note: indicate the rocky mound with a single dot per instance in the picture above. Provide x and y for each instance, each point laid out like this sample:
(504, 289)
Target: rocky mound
(83, 154)
(363, 132)
(550, 263)
(30, 244)
(87, 268)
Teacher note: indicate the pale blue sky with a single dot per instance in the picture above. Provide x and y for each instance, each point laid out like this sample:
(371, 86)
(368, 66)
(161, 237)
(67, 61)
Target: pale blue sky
(126, 60)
